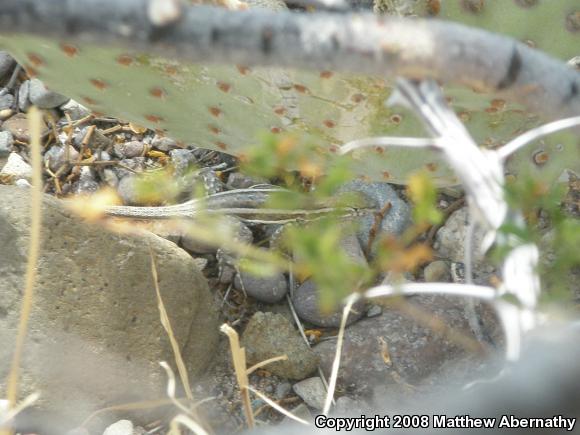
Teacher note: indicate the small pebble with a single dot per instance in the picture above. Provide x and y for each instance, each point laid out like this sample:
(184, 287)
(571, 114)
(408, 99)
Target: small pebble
(18, 126)
(237, 180)
(23, 96)
(75, 110)
(306, 304)
(128, 190)
(200, 262)
(16, 167)
(55, 157)
(211, 181)
(182, 160)
(396, 219)
(6, 64)
(43, 97)
(22, 183)
(128, 150)
(268, 335)
(86, 183)
(282, 390)
(437, 271)
(164, 144)
(5, 114)
(97, 140)
(6, 142)
(226, 273)
(110, 178)
(374, 310)
(121, 427)
(6, 101)
(269, 289)
(312, 391)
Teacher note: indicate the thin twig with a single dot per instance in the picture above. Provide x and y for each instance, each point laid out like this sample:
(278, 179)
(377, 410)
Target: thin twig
(35, 121)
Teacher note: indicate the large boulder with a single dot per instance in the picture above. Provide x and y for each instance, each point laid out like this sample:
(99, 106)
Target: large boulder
(95, 338)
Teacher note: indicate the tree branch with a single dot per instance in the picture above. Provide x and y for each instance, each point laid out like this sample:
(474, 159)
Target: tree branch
(360, 43)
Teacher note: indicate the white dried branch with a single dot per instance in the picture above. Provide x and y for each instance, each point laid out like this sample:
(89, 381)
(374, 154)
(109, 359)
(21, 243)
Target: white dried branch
(536, 133)
(408, 142)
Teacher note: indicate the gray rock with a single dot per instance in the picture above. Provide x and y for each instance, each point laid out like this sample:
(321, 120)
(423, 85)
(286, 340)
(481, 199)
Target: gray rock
(415, 351)
(269, 335)
(282, 390)
(437, 271)
(450, 242)
(351, 247)
(164, 144)
(182, 160)
(306, 304)
(110, 177)
(5, 114)
(6, 142)
(22, 183)
(95, 338)
(312, 391)
(128, 190)
(97, 141)
(395, 220)
(450, 238)
(237, 180)
(43, 97)
(86, 183)
(6, 64)
(55, 157)
(16, 168)
(75, 110)
(6, 101)
(374, 310)
(17, 125)
(269, 289)
(210, 181)
(121, 427)
(24, 96)
(128, 150)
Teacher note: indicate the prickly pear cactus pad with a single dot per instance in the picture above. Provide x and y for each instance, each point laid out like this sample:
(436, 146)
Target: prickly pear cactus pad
(226, 107)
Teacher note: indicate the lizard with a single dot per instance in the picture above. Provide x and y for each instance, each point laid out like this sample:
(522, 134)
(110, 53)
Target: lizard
(248, 206)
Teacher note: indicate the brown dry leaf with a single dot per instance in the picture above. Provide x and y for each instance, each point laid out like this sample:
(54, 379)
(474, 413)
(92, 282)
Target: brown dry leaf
(385, 351)
(137, 129)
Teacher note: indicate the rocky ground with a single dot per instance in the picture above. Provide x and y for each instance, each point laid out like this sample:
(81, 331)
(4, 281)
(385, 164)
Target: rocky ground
(96, 303)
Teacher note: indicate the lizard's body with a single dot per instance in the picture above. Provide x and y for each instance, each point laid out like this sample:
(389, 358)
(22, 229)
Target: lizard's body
(247, 204)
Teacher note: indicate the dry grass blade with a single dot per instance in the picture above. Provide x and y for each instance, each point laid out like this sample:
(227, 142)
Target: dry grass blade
(35, 121)
(278, 407)
(336, 363)
(184, 420)
(239, 360)
(167, 326)
(266, 362)
(180, 418)
(174, 346)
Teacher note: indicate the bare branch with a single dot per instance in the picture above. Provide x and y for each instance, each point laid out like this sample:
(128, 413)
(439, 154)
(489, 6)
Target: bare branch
(361, 43)
(532, 135)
